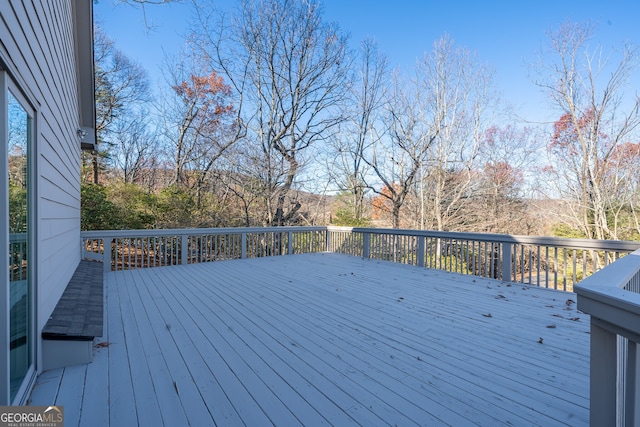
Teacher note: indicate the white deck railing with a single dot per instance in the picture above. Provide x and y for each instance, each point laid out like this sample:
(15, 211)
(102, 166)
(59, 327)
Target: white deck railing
(18, 257)
(610, 295)
(128, 249)
(537, 261)
(612, 298)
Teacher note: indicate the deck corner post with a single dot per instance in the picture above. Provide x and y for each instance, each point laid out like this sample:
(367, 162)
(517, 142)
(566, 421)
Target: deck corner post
(184, 249)
(106, 260)
(366, 245)
(603, 374)
(243, 245)
(506, 261)
(420, 251)
(290, 243)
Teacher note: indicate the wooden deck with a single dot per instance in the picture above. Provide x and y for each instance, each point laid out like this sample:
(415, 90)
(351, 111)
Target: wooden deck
(326, 339)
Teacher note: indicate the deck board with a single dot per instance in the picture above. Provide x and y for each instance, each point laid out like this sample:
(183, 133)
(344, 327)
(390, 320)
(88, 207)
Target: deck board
(327, 339)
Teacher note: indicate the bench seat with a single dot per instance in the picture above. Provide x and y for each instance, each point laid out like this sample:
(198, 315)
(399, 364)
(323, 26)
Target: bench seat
(67, 337)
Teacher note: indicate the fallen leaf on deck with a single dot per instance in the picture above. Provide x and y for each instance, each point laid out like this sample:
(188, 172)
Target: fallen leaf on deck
(551, 326)
(558, 315)
(500, 296)
(570, 301)
(102, 344)
(575, 319)
(540, 340)
(487, 315)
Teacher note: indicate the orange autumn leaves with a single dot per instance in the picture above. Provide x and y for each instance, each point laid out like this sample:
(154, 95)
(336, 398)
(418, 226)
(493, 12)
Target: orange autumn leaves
(208, 94)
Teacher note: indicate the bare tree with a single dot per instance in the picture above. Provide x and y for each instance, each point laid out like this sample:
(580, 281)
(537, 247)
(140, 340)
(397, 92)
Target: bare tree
(623, 190)
(121, 86)
(142, 4)
(288, 70)
(396, 158)
(134, 148)
(359, 132)
(595, 118)
(506, 159)
(456, 92)
(199, 120)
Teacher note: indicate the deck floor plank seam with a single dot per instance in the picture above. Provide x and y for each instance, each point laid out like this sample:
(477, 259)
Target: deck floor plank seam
(122, 409)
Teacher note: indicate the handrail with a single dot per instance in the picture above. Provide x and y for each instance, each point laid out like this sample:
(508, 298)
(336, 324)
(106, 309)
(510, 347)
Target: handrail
(125, 249)
(187, 231)
(564, 242)
(552, 262)
(612, 298)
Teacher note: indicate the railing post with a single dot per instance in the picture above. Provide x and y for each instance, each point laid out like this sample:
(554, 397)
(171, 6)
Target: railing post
(420, 251)
(327, 240)
(366, 245)
(290, 243)
(243, 245)
(106, 254)
(506, 261)
(603, 374)
(630, 390)
(184, 242)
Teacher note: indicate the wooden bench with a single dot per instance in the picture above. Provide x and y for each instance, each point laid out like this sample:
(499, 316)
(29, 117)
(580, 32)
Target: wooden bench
(77, 319)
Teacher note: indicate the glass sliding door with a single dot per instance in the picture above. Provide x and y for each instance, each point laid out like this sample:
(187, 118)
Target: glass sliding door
(18, 195)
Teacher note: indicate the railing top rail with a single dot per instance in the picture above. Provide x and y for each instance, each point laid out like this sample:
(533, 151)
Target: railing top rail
(590, 244)
(570, 243)
(603, 294)
(193, 231)
(17, 237)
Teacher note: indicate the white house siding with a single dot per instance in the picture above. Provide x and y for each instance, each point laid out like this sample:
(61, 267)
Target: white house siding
(37, 49)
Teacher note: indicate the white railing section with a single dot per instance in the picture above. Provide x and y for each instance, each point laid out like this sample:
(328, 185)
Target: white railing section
(537, 261)
(612, 299)
(128, 249)
(18, 256)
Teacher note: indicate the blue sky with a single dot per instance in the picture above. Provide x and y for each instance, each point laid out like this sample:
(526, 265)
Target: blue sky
(505, 34)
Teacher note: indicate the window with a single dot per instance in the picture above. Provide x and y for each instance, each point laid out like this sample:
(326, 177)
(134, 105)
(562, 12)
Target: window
(16, 195)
